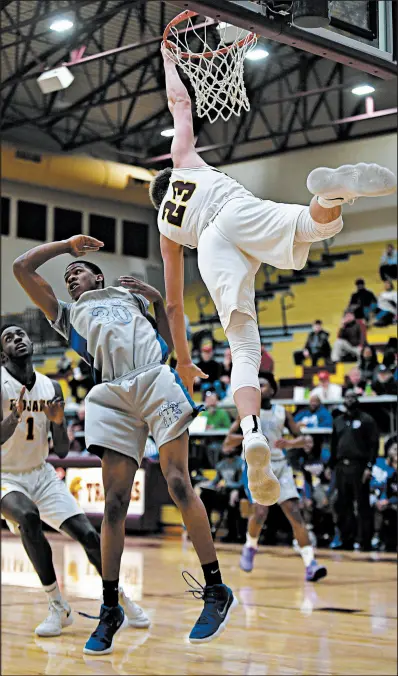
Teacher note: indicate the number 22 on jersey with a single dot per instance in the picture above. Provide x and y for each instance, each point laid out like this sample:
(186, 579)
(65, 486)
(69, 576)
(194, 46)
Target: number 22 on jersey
(174, 209)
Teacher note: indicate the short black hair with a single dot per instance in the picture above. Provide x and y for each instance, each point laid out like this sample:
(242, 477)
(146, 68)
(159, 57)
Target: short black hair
(267, 375)
(318, 321)
(8, 326)
(91, 266)
(359, 281)
(159, 186)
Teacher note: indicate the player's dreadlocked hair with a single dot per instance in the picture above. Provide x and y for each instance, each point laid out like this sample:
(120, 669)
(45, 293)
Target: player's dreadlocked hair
(158, 187)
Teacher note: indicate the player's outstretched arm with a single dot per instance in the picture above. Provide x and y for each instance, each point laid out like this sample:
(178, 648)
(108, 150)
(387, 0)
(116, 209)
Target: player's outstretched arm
(183, 147)
(38, 290)
(234, 437)
(173, 261)
(9, 425)
(54, 411)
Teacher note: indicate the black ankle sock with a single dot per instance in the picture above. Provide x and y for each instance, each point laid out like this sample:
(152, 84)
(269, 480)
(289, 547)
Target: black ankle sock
(111, 592)
(212, 574)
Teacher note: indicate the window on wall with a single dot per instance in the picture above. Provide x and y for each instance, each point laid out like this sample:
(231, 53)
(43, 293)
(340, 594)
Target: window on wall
(67, 222)
(135, 239)
(5, 215)
(103, 228)
(31, 220)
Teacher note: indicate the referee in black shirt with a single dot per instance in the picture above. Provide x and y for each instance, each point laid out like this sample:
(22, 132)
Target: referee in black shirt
(354, 449)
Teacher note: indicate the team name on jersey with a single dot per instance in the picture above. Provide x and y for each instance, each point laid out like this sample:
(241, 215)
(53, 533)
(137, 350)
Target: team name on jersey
(33, 405)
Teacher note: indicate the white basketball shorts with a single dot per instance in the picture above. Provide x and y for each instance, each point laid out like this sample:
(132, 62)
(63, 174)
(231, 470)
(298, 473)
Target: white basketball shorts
(120, 414)
(50, 495)
(244, 234)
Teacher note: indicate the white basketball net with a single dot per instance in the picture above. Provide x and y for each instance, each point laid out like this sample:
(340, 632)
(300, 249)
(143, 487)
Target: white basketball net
(218, 78)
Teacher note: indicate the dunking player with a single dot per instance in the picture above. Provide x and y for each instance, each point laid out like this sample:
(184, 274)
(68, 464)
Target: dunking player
(109, 327)
(274, 418)
(202, 208)
(30, 488)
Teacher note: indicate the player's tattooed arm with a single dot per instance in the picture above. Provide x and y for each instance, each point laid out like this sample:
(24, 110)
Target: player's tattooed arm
(9, 424)
(54, 411)
(25, 267)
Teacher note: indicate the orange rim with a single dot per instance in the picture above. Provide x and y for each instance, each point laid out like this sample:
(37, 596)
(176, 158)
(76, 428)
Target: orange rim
(188, 14)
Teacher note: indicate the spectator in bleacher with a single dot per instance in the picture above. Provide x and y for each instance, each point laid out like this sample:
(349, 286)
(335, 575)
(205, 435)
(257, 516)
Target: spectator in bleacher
(64, 366)
(82, 381)
(212, 368)
(349, 340)
(217, 418)
(367, 363)
(390, 353)
(267, 363)
(386, 310)
(363, 301)
(223, 493)
(384, 381)
(385, 499)
(226, 368)
(76, 430)
(316, 415)
(316, 347)
(353, 452)
(353, 381)
(388, 263)
(326, 391)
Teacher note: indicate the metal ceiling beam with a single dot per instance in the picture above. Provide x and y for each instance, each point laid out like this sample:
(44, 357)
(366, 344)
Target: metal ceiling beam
(281, 31)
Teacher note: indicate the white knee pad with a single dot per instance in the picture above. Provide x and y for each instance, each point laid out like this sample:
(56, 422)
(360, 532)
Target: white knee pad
(244, 341)
(308, 230)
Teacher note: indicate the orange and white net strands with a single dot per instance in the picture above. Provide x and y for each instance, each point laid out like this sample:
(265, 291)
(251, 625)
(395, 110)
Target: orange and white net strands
(216, 73)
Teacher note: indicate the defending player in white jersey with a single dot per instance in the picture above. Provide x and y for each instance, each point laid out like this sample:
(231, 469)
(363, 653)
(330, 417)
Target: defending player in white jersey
(31, 491)
(135, 392)
(274, 419)
(234, 232)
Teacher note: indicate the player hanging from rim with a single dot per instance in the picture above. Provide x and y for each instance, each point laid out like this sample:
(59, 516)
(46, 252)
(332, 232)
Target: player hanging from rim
(30, 488)
(234, 232)
(273, 419)
(110, 328)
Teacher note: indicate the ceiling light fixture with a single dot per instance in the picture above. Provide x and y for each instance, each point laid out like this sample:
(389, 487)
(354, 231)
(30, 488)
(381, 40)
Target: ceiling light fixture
(168, 132)
(61, 25)
(257, 54)
(362, 90)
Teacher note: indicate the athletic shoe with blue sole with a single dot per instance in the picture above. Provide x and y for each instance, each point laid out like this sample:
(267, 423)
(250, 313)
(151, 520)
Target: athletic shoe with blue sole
(219, 600)
(112, 620)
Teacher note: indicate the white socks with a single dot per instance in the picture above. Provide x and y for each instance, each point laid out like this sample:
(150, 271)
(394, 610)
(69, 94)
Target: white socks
(307, 554)
(53, 592)
(251, 542)
(249, 424)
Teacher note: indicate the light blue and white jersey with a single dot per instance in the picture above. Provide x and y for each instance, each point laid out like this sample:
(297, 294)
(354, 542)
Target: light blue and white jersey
(272, 425)
(108, 328)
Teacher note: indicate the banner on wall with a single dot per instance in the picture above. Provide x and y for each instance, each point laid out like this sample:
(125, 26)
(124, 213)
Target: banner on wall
(86, 486)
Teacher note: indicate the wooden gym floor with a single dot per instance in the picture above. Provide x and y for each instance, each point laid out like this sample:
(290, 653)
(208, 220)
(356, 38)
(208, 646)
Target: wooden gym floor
(345, 624)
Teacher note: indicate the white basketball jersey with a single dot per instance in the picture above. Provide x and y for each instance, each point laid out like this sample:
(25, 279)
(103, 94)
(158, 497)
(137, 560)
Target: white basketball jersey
(28, 446)
(272, 425)
(193, 199)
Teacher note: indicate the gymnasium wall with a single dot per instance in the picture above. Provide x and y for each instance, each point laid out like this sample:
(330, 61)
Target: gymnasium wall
(282, 178)
(13, 298)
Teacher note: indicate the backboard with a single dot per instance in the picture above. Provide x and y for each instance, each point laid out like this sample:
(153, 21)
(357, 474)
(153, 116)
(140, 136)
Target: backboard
(359, 33)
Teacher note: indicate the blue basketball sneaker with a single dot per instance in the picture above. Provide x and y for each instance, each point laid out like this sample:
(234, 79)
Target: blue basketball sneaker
(112, 620)
(219, 601)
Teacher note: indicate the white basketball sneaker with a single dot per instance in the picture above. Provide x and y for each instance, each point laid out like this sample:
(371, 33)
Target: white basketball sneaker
(136, 616)
(59, 616)
(263, 484)
(350, 181)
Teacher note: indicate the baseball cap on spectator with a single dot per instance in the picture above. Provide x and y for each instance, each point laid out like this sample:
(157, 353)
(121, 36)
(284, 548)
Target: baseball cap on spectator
(324, 375)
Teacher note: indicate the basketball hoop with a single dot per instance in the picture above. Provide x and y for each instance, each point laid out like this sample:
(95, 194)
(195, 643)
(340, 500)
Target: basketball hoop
(215, 72)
